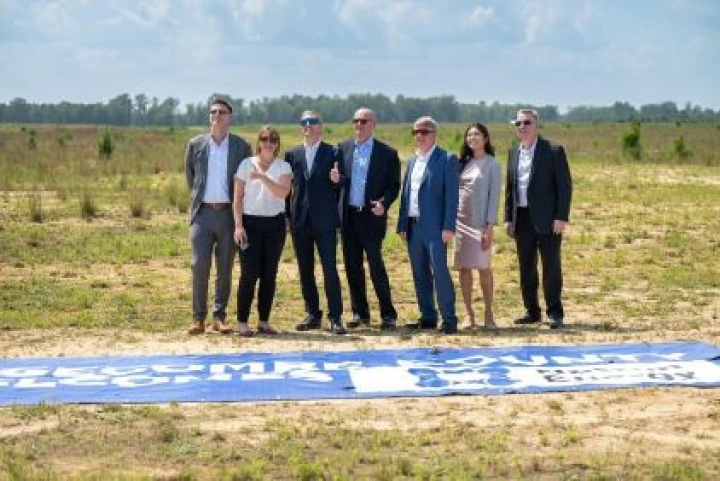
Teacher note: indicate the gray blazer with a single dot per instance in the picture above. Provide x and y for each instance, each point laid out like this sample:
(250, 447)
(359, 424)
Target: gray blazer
(486, 194)
(196, 166)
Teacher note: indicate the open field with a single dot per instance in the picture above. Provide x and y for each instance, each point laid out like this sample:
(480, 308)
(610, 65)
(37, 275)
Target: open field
(94, 260)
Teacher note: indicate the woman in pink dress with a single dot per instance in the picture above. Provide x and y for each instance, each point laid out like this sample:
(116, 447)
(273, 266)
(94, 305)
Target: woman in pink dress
(477, 214)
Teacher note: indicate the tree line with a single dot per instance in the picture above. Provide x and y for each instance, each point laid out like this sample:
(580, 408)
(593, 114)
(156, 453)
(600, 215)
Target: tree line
(140, 110)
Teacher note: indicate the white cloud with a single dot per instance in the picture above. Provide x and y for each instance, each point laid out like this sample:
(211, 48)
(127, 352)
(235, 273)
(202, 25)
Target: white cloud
(479, 16)
(579, 52)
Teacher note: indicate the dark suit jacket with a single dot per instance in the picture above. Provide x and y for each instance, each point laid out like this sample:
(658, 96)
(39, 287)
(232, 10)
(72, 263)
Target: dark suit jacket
(382, 183)
(196, 166)
(438, 196)
(314, 198)
(550, 188)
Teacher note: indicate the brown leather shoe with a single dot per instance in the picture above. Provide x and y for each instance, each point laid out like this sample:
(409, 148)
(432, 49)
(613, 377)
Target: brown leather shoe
(198, 327)
(220, 327)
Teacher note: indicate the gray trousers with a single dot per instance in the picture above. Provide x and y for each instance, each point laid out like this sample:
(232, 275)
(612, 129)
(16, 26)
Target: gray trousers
(212, 229)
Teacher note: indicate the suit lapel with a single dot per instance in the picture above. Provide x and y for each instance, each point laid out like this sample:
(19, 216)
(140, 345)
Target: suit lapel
(232, 149)
(205, 157)
(350, 160)
(408, 176)
(302, 161)
(538, 155)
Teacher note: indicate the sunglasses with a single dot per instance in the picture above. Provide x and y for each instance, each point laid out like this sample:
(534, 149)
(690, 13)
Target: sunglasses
(219, 112)
(518, 123)
(360, 121)
(309, 121)
(422, 131)
(272, 140)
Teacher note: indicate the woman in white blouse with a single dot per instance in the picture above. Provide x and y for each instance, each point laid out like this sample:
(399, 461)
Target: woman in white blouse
(261, 184)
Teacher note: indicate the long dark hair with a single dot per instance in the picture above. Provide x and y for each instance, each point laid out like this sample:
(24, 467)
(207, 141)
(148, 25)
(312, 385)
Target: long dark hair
(466, 152)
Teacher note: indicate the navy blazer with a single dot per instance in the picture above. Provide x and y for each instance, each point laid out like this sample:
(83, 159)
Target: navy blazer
(383, 178)
(438, 196)
(314, 198)
(550, 189)
(196, 166)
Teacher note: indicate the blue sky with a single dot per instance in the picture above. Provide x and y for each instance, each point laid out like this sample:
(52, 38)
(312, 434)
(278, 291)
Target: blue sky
(558, 52)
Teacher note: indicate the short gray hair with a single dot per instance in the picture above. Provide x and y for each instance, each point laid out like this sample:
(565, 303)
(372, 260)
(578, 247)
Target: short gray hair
(427, 122)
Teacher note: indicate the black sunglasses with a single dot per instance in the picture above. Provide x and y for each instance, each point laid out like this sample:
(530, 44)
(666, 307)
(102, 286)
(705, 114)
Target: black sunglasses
(219, 112)
(421, 131)
(273, 140)
(360, 121)
(309, 121)
(518, 123)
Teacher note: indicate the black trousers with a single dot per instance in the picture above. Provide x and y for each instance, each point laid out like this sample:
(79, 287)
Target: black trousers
(529, 243)
(304, 240)
(266, 239)
(361, 238)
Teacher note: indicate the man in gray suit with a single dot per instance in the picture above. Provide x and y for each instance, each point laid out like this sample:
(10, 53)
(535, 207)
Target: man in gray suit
(211, 161)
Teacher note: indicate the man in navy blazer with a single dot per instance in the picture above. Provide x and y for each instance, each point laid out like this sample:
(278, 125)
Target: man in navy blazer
(314, 220)
(371, 185)
(211, 161)
(537, 209)
(428, 212)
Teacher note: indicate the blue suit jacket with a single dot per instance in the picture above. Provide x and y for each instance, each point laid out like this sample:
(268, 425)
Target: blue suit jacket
(437, 198)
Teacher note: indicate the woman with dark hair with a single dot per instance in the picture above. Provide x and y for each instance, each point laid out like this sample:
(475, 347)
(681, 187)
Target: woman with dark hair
(477, 214)
(261, 184)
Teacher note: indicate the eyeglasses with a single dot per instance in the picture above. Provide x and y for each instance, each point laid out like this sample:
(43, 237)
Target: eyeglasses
(360, 121)
(422, 131)
(518, 123)
(219, 112)
(272, 140)
(309, 121)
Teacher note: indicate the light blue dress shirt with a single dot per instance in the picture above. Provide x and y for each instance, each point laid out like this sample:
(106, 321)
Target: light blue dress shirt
(360, 166)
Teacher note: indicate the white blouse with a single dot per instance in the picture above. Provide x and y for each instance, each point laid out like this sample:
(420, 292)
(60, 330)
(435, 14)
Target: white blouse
(259, 200)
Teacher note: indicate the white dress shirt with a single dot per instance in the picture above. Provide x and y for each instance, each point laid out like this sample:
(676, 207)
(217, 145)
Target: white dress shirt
(216, 186)
(416, 178)
(525, 159)
(310, 151)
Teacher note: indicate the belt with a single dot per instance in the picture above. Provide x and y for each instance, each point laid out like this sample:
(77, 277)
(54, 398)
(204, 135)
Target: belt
(355, 208)
(217, 205)
(413, 220)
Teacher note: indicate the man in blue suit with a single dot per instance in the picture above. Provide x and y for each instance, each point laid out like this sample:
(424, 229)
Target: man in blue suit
(428, 211)
(314, 219)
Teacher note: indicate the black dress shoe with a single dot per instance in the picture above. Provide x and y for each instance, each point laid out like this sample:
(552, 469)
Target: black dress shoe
(310, 322)
(556, 323)
(357, 321)
(448, 327)
(527, 319)
(422, 324)
(336, 327)
(388, 324)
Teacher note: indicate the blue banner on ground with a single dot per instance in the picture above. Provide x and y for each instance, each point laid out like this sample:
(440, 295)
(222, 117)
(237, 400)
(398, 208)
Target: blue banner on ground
(356, 374)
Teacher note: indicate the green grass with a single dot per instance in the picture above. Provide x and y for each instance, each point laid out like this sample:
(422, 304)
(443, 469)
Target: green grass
(640, 259)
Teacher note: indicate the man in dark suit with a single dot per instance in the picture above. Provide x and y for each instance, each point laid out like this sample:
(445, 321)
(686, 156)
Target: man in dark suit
(211, 161)
(371, 185)
(428, 212)
(317, 174)
(537, 208)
